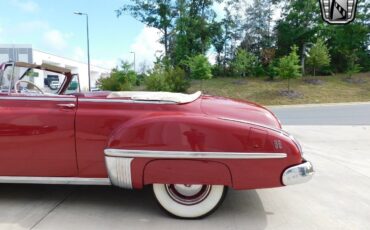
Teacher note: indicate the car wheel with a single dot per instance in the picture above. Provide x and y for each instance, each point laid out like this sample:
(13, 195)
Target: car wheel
(189, 201)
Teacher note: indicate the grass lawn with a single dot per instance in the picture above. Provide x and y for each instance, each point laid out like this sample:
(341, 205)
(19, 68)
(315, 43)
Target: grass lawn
(333, 89)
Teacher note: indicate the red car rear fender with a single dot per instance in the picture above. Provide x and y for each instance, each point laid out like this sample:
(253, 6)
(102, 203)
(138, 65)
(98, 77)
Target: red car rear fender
(180, 132)
(197, 149)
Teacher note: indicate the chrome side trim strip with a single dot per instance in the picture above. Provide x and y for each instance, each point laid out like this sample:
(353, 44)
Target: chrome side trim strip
(54, 180)
(251, 123)
(41, 98)
(190, 155)
(124, 101)
(119, 171)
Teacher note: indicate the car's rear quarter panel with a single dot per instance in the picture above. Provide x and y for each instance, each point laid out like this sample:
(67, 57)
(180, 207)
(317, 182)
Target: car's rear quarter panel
(131, 126)
(204, 134)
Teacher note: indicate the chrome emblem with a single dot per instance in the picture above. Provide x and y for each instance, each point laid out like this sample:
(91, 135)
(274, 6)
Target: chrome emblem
(338, 11)
(278, 144)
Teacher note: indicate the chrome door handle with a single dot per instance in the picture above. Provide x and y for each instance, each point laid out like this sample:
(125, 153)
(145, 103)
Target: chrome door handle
(67, 106)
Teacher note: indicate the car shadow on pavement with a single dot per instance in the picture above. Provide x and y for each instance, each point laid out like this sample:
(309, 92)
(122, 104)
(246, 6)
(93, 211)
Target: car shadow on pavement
(101, 207)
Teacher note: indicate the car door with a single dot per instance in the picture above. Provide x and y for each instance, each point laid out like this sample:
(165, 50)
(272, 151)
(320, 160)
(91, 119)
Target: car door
(37, 135)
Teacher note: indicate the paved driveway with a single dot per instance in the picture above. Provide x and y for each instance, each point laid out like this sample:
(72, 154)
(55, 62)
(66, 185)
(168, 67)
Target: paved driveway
(332, 114)
(337, 197)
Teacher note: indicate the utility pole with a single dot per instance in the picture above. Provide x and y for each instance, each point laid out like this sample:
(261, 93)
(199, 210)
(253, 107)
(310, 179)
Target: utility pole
(134, 60)
(88, 47)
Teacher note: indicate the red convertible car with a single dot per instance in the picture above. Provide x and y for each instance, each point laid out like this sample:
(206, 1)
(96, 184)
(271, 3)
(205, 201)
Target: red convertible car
(189, 147)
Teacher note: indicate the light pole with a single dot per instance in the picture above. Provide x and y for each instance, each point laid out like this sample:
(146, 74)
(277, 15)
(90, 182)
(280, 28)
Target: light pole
(88, 47)
(134, 60)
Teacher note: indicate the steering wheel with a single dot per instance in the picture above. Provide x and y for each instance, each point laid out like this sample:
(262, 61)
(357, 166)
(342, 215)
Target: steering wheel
(28, 82)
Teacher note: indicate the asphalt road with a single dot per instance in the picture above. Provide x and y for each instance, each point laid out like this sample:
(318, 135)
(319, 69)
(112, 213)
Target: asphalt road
(345, 114)
(336, 198)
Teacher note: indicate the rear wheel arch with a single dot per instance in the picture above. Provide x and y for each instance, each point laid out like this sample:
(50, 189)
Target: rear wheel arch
(187, 172)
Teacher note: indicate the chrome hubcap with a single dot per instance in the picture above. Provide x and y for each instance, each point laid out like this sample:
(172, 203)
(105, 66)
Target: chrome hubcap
(187, 189)
(188, 194)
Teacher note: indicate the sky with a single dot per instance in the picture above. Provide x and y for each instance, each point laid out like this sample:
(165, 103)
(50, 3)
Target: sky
(51, 26)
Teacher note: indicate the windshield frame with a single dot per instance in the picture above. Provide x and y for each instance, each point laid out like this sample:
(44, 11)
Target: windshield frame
(45, 67)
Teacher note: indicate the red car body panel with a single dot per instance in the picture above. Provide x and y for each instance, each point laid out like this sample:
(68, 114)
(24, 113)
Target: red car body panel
(37, 138)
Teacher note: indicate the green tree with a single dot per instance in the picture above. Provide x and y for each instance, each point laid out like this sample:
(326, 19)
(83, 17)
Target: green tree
(352, 67)
(187, 25)
(218, 41)
(120, 79)
(195, 28)
(299, 24)
(288, 67)
(159, 14)
(245, 63)
(232, 31)
(258, 26)
(351, 39)
(318, 56)
(199, 67)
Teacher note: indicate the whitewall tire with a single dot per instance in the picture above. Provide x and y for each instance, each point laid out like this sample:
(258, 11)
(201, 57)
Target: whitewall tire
(189, 201)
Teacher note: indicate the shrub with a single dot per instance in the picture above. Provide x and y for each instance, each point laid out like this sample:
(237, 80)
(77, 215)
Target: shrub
(217, 70)
(167, 79)
(176, 79)
(156, 82)
(245, 63)
(199, 67)
(271, 69)
(120, 79)
(289, 67)
(352, 66)
(319, 56)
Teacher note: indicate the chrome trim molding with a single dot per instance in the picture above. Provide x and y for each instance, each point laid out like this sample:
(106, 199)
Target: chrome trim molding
(119, 171)
(41, 98)
(124, 101)
(54, 180)
(190, 155)
(298, 174)
(251, 123)
(296, 142)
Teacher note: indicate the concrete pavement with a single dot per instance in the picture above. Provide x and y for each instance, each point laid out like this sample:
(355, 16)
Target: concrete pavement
(337, 197)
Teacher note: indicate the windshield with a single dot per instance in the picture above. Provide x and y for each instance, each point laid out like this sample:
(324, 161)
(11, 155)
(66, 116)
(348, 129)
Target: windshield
(27, 80)
(5, 79)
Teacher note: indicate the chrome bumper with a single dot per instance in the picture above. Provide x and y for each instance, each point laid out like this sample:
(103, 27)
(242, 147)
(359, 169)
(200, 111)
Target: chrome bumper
(298, 174)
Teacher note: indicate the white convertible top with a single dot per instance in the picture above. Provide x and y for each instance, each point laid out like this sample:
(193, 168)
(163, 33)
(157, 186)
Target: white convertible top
(156, 96)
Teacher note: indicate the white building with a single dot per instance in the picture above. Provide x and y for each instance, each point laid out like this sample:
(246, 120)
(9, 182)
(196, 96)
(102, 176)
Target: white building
(25, 53)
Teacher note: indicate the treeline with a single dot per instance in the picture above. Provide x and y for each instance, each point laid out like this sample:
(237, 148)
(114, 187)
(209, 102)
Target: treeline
(249, 42)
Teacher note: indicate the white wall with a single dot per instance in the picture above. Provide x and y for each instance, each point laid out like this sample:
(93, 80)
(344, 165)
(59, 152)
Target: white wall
(80, 68)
